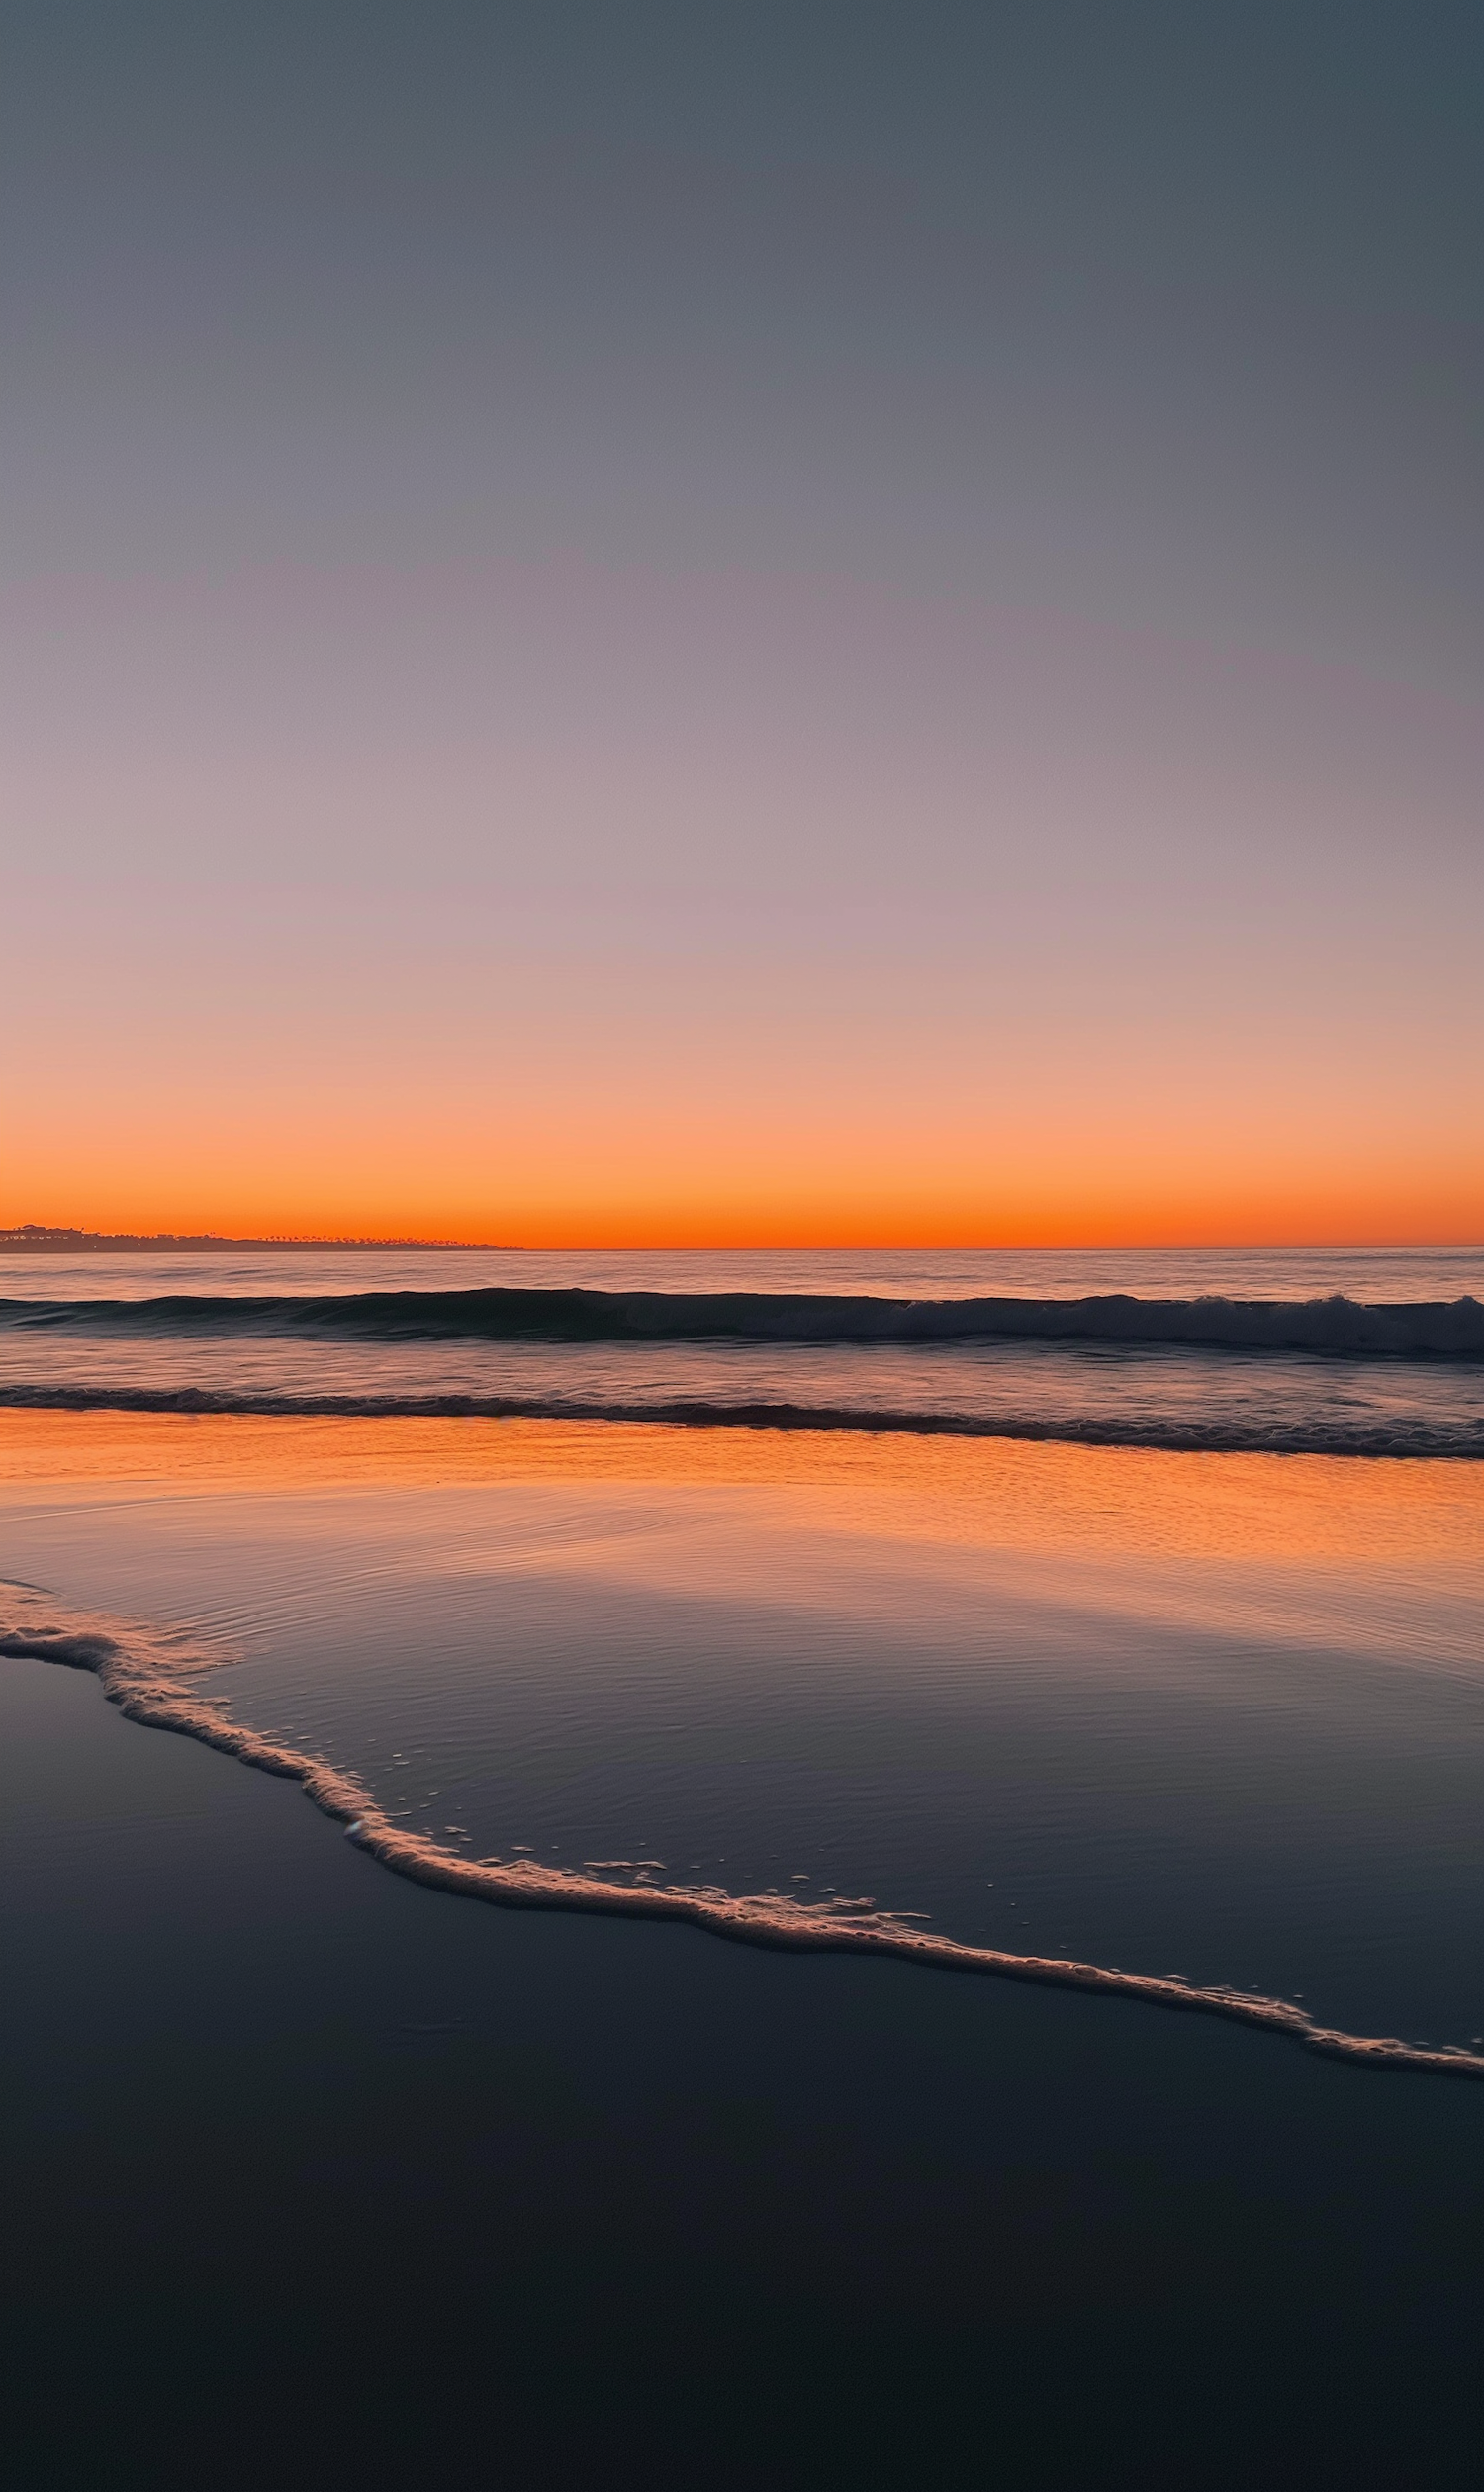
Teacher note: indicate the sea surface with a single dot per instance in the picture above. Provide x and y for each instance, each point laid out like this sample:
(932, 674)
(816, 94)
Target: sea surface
(1354, 1352)
(1119, 1614)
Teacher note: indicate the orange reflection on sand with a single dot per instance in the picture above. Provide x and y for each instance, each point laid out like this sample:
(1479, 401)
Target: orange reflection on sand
(987, 1491)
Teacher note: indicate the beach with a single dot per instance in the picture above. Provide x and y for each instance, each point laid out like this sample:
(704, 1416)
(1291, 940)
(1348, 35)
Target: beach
(329, 2178)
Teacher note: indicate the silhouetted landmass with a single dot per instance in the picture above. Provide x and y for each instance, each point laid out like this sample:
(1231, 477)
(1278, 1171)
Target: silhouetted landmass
(34, 1239)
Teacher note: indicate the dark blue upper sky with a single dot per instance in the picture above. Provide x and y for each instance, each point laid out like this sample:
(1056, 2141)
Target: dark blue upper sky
(1164, 312)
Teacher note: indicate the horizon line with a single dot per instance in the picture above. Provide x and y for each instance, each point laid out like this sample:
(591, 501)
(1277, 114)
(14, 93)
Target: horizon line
(46, 1236)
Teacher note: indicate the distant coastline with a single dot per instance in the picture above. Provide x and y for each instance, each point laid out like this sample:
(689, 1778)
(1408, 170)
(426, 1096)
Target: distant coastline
(34, 1239)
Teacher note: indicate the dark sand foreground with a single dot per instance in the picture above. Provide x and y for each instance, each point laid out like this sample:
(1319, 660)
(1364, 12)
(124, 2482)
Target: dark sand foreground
(317, 2178)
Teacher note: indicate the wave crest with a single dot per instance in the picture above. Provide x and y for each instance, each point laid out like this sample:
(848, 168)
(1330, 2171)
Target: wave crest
(1331, 1328)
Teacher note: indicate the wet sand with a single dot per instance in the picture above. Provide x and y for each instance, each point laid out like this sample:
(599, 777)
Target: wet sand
(326, 2178)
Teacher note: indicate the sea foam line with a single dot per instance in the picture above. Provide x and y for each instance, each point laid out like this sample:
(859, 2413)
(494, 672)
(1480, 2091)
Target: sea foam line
(145, 1676)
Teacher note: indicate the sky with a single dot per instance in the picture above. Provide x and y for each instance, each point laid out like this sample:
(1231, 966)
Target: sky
(687, 625)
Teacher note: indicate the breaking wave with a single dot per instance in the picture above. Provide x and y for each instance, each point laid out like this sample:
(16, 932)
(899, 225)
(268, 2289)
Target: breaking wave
(155, 1678)
(1328, 1328)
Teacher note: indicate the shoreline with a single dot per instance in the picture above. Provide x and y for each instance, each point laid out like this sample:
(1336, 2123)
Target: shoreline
(136, 1677)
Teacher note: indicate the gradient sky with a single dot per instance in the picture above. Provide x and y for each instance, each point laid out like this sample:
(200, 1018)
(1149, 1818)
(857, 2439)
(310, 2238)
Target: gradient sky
(638, 623)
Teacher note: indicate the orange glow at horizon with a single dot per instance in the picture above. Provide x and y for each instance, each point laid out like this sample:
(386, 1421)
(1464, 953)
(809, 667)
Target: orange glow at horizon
(639, 1182)
(751, 1231)
(1435, 1209)
(543, 1124)
(1154, 1226)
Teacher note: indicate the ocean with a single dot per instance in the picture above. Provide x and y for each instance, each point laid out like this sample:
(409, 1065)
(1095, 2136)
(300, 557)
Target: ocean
(1339, 1353)
(1097, 1633)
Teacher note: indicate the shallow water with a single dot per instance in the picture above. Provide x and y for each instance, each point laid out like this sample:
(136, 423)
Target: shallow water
(1221, 1716)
